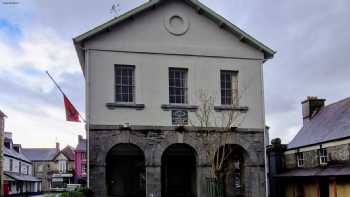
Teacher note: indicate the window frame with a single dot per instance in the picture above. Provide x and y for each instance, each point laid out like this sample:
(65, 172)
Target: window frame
(62, 166)
(300, 159)
(323, 156)
(121, 85)
(233, 81)
(183, 87)
(83, 168)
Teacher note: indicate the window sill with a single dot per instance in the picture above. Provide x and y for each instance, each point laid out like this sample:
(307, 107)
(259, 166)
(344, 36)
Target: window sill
(231, 108)
(125, 105)
(167, 107)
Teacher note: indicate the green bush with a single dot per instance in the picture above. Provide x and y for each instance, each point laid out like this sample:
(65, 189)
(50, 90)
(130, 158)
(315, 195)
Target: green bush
(72, 194)
(84, 192)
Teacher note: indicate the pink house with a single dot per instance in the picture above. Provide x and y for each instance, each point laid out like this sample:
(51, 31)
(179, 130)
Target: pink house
(80, 161)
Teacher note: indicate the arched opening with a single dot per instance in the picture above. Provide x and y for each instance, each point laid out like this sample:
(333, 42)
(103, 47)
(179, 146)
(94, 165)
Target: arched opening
(125, 171)
(231, 174)
(179, 171)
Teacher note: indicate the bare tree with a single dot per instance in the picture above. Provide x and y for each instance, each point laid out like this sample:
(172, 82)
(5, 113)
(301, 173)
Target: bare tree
(207, 118)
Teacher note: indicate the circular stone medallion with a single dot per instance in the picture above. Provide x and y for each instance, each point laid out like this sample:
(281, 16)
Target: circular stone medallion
(176, 24)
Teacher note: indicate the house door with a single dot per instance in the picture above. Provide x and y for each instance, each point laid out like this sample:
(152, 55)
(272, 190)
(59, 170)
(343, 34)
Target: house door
(324, 187)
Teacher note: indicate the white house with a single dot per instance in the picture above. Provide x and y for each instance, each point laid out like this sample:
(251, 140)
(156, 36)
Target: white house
(147, 73)
(18, 178)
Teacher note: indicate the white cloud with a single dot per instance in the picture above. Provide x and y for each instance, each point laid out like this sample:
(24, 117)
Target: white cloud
(39, 50)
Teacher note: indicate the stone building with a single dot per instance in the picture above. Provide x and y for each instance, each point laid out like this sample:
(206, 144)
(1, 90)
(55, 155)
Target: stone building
(55, 167)
(148, 73)
(316, 162)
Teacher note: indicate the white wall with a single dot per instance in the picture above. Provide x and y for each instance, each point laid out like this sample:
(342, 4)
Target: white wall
(147, 33)
(15, 165)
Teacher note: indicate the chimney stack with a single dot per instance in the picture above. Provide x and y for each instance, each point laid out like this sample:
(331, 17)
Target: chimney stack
(311, 106)
(57, 146)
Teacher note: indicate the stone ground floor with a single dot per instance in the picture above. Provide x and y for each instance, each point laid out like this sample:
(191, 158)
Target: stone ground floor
(169, 161)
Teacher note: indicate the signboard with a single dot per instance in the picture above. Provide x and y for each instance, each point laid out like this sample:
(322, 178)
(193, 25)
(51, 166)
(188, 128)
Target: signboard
(179, 117)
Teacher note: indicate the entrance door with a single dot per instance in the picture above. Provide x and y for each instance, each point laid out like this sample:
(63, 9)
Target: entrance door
(125, 171)
(324, 187)
(179, 171)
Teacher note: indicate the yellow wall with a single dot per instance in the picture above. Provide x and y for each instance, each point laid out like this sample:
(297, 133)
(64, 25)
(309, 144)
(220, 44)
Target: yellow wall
(343, 189)
(310, 189)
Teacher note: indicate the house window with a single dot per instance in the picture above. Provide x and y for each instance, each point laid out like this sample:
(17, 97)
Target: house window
(20, 167)
(40, 168)
(124, 83)
(62, 166)
(177, 85)
(229, 87)
(323, 156)
(83, 168)
(27, 169)
(83, 156)
(11, 165)
(300, 160)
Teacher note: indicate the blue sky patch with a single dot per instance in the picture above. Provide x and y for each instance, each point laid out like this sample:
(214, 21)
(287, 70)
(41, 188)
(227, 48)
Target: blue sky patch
(11, 30)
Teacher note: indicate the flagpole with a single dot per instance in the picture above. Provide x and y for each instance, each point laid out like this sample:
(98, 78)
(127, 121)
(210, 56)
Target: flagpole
(59, 88)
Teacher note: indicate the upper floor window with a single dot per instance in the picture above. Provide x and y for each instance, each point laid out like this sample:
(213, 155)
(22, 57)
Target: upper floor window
(83, 156)
(40, 167)
(11, 165)
(178, 85)
(62, 166)
(229, 87)
(124, 83)
(323, 156)
(83, 168)
(20, 167)
(300, 160)
(27, 169)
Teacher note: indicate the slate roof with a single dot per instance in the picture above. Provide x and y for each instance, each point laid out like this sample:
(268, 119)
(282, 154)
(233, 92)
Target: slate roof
(331, 170)
(195, 4)
(68, 151)
(82, 145)
(40, 154)
(331, 123)
(22, 177)
(13, 153)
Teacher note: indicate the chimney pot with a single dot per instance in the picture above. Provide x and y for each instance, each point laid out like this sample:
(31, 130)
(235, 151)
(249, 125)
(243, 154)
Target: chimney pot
(311, 106)
(57, 146)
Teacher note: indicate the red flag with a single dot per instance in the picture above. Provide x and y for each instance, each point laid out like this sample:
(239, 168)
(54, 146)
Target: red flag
(72, 114)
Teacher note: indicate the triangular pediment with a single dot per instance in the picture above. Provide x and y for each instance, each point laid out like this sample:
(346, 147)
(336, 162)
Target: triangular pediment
(173, 26)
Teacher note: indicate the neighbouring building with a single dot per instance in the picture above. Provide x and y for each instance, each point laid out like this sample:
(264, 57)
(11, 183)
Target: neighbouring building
(18, 177)
(150, 75)
(54, 166)
(2, 133)
(316, 162)
(80, 161)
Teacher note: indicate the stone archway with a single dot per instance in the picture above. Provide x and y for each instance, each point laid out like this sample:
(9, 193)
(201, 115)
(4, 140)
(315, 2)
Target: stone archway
(125, 171)
(179, 174)
(232, 173)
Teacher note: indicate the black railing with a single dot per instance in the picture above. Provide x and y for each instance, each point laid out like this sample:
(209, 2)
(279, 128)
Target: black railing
(215, 187)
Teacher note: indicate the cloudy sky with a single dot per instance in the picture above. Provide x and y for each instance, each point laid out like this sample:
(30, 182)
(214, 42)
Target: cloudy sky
(312, 39)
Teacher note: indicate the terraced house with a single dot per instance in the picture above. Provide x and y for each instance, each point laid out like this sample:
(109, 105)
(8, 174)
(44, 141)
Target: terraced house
(316, 162)
(170, 87)
(18, 177)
